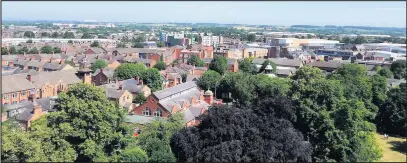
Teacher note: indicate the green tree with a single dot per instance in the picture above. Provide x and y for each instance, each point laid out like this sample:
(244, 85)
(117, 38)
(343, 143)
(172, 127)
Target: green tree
(399, 69)
(99, 64)
(152, 78)
(392, 115)
(133, 154)
(86, 36)
(244, 65)
(385, 72)
(56, 50)
(54, 34)
(29, 41)
(359, 40)
(160, 65)
(175, 62)
(139, 98)
(23, 50)
(68, 35)
(33, 51)
(70, 41)
(160, 44)
(251, 37)
(91, 123)
(46, 49)
(209, 80)
(121, 45)
(138, 45)
(155, 138)
(130, 70)
(379, 88)
(44, 34)
(219, 64)
(268, 62)
(94, 44)
(195, 60)
(239, 85)
(13, 50)
(29, 34)
(4, 51)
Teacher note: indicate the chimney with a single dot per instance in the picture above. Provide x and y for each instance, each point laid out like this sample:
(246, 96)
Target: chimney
(37, 110)
(29, 77)
(208, 97)
(120, 86)
(62, 61)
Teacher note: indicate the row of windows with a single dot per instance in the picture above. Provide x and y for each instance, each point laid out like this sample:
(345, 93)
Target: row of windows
(14, 95)
(157, 112)
(14, 102)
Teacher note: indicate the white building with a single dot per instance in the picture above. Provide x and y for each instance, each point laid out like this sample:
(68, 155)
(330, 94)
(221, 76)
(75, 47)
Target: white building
(210, 40)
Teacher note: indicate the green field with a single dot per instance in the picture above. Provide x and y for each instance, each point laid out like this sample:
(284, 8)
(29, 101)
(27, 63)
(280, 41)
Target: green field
(394, 149)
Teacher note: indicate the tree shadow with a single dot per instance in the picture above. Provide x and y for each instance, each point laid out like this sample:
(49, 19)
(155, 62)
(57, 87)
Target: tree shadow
(399, 146)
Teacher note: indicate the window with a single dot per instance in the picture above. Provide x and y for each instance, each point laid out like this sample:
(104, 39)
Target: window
(23, 94)
(158, 112)
(14, 102)
(5, 97)
(14, 95)
(22, 101)
(147, 111)
(5, 104)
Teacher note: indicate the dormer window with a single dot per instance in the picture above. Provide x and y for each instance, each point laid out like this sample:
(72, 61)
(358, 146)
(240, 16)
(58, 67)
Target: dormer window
(158, 112)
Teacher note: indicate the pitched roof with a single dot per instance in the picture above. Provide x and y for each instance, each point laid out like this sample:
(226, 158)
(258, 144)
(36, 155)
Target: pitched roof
(286, 62)
(14, 83)
(174, 90)
(108, 72)
(329, 64)
(138, 50)
(53, 77)
(113, 92)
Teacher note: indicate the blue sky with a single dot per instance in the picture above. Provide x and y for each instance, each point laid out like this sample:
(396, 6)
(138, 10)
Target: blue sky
(381, 14)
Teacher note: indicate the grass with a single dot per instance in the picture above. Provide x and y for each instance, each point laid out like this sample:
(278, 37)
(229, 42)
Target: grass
(394, 149)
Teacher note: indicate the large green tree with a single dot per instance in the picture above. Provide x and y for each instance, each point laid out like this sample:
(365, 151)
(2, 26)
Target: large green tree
(160, 65)
(239, 85)
(86, 36)
(12, 50)
(46, 49)
(95, 44)
(336, 123)
(195, 60)
(99, 64)
(130, 70)
(268, 62)
(152, 78)
(385, 72)
(91, 123)
(33, 50)
(29, 34)
(399, 69)
(219, 64)
(392, 115)
(68, 35)
(4, 51)
(155, 138)
(209, 80)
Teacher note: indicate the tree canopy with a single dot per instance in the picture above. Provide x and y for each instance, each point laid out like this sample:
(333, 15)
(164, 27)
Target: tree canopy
(99, 64)
(195, 60)
(152, 78)
(95, 44)
(160, 65)
(46, 49)
(399, 69)
(209, 80)
(130, 70)
(229, 134)
(29, 34)
(219, 64)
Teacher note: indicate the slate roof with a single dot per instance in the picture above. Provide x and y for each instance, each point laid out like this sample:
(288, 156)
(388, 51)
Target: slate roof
(113, 92)
(54, 66)
(138, 50)
(24, 109)
(329, 64)
(174, 90)
(109, 72)
(14, 83)
(130, 85)
(191, 77)
(66, 76)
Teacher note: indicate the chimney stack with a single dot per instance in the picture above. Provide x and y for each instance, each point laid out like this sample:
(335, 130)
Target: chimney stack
(29, 77)
(62, 61)
(37, 110)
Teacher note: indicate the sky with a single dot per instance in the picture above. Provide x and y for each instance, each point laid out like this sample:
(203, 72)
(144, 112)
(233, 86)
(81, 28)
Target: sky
(378, 14)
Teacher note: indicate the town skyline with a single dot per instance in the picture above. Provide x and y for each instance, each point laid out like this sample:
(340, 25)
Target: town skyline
(374, 14)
